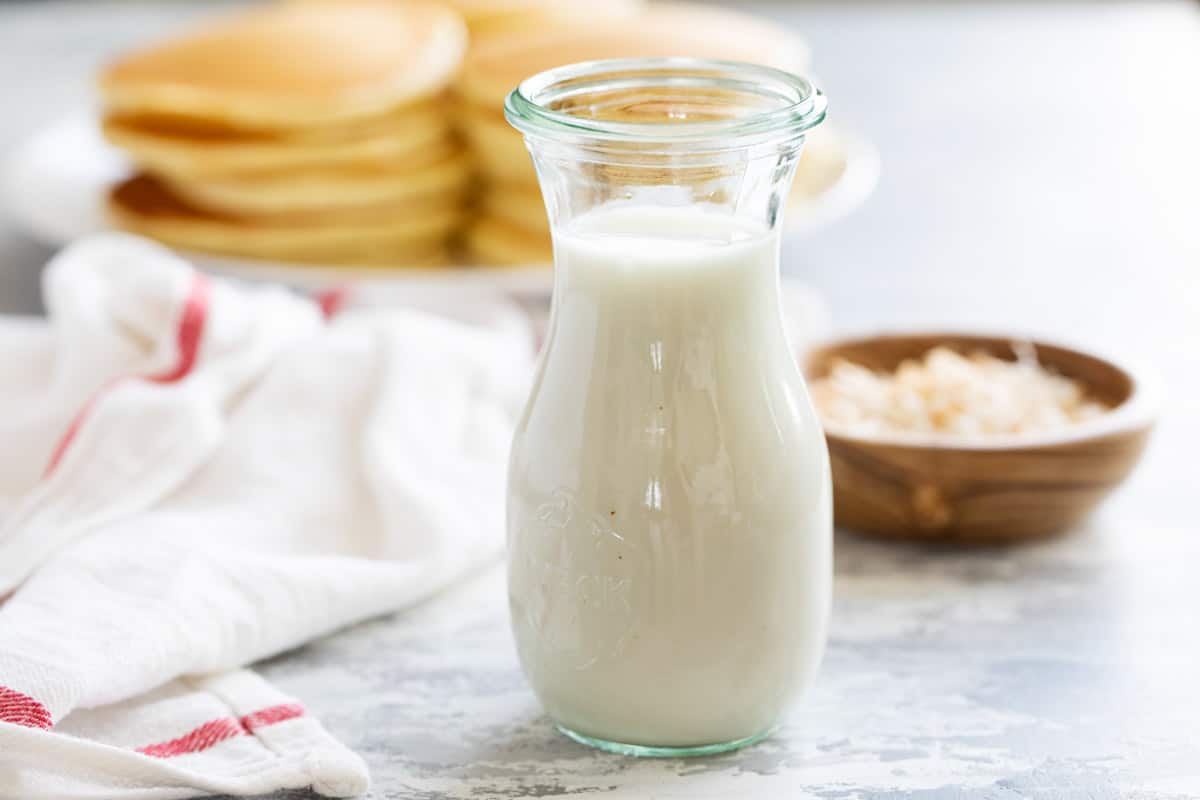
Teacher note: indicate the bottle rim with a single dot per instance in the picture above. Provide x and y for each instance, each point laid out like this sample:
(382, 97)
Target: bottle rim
(791, 103)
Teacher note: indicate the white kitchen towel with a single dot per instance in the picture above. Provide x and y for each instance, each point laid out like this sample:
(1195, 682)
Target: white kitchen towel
(196, 475)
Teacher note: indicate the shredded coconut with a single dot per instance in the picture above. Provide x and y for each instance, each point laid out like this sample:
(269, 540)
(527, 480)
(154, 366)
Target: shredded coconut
(947, 393)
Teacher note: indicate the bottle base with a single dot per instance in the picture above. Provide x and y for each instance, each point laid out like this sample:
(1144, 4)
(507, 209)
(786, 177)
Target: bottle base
(647, 751)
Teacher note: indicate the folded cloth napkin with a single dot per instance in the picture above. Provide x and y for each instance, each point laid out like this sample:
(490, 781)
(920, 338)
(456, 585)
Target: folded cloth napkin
(197, 475)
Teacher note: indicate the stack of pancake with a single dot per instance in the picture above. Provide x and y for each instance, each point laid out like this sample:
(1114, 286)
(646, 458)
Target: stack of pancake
(296, 132)
(511, 225)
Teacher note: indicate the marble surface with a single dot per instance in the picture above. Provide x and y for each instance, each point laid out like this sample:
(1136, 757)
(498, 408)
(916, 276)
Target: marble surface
(1040, 175)
(1061, 670)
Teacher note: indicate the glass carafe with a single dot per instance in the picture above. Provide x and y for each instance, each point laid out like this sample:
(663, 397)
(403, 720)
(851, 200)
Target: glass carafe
(669, 512)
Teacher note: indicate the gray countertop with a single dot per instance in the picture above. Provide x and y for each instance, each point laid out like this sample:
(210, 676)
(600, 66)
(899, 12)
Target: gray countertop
(1040, 175)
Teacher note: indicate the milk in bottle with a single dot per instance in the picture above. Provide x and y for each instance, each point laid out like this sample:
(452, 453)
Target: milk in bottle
(669, 512)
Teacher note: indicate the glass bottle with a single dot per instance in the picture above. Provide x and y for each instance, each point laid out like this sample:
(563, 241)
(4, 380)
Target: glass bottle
(669, 512)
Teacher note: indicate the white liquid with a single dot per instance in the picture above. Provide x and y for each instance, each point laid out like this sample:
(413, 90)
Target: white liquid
(669, 509)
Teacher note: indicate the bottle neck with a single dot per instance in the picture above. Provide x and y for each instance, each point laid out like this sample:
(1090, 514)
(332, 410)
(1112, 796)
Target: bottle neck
(749, 191)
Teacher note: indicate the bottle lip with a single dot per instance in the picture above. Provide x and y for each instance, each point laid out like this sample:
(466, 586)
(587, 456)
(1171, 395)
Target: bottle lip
(796, 105)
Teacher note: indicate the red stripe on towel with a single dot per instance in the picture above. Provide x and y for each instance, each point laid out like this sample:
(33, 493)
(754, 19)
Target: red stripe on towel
(73, 428)
(218, 730)
(201, 738)
(21, 709)
(191, 331)
(269, 716)
(332, 300)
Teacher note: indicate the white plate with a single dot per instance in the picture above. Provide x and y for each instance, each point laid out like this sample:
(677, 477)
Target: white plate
(54, 186)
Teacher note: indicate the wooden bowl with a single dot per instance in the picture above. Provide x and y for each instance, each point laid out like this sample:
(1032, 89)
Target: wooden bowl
(985, 491)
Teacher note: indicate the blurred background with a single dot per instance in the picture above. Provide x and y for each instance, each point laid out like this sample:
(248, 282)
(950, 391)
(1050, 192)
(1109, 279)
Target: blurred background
(1035, 155)
(1038, 162)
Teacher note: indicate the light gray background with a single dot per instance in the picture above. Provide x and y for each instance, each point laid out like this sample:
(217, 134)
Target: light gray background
(1040, 175)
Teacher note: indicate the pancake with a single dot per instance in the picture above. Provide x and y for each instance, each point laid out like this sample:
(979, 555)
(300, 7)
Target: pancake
(203, 154)
(167, 126)
(143, 205)
(329, 189)
(287, 65)
(497, 64)
(493, 241)
(517, 205)
(489, 17)
(497, 148)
